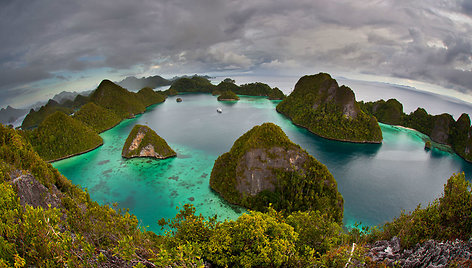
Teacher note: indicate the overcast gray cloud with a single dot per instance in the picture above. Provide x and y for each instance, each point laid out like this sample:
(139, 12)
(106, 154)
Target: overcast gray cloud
(427, 40)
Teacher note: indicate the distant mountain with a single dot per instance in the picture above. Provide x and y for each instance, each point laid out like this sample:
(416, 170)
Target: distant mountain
(9, 115)
(133, 84)
(67, 95)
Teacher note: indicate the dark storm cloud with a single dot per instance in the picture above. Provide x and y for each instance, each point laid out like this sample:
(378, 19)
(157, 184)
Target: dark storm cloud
(425, 40)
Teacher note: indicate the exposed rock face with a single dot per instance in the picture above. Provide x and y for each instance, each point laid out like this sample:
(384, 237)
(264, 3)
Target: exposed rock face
(144, 142)
(428, 254)
(257, 168)
(329, 91)
(32, 192)
(442, 128)
(264, 166)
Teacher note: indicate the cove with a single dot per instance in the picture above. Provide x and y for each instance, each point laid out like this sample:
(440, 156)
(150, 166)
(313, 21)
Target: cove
(376, 181)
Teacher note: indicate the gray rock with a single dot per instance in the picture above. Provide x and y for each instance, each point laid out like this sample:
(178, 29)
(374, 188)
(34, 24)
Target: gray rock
(35, 194)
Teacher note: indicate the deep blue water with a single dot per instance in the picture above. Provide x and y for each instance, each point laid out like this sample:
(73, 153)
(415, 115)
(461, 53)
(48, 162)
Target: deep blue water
(376, 181)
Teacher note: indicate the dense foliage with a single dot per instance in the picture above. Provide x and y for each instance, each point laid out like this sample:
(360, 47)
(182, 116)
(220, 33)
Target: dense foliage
(34, 118)
(123, 103)
(318, 104)
(77, 234)
(194, 84)
(97, 117)
(147, 96)
(228, 96)
(81, 233)
(310, 188)
(446, 218)
(387, 112)
(257, 239)
(60, 135)
(149, 137)
(440, 128)
(203, 85)
(251, 89)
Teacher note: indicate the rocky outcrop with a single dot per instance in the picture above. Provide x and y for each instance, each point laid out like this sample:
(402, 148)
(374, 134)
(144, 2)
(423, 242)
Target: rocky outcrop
(428, 254)
(442, 126)
(144, 142)
(258, 166)
(264, 166)
(32, 192)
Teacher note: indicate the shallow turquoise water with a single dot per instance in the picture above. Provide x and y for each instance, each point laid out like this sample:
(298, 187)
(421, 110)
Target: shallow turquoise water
(376, 181)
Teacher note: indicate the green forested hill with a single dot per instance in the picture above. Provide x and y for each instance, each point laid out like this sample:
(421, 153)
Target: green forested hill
(194, 84)
(320, 105)
(440, 128)
(34, 118)
(228, 95)
(122, 102)
(148, 96)
(60, 135)
(288, 184)
(97, 117)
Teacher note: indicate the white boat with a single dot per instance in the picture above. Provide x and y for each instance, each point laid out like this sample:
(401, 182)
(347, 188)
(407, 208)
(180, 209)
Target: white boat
(219, 110)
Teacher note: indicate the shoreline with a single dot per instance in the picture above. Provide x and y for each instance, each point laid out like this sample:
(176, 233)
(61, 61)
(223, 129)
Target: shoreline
(76, 154)
(332, 139)
(449, 147)
(89, 150)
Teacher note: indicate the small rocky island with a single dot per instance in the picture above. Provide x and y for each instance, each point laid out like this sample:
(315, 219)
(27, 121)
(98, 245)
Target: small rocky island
(144, 142)
(328, 110)
(264, 167)
(228, 95)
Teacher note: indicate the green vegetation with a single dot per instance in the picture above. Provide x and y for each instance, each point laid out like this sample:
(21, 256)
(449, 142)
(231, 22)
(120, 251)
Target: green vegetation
(97, 117)
(427, 145)
(301, 239)
(440, 128)
(460, 140)
(34, 118)
(194, 84)
(447, 218)
(320, 105)
(388, 112)
(419, 120)
(276, 94)
(251, 89)
(305, 185)
(203, 85)
(109, 104)
(123, 103)
(228, 96)
(148, 97)
(144, 142)
(60, 135)
(82, 233)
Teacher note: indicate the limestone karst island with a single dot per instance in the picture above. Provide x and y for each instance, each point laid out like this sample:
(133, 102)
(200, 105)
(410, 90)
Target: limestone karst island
(244, 133)
(144, 142)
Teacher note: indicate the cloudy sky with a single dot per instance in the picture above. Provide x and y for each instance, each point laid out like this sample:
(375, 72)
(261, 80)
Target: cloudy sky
(52, 45)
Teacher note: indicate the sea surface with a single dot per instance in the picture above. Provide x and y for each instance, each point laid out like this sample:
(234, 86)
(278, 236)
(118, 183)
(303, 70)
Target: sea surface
(376, 181)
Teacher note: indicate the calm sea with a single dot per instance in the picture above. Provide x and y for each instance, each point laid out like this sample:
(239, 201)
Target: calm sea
(376, 181)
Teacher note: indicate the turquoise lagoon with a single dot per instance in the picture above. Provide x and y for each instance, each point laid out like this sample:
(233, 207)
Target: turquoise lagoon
(376, 181)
